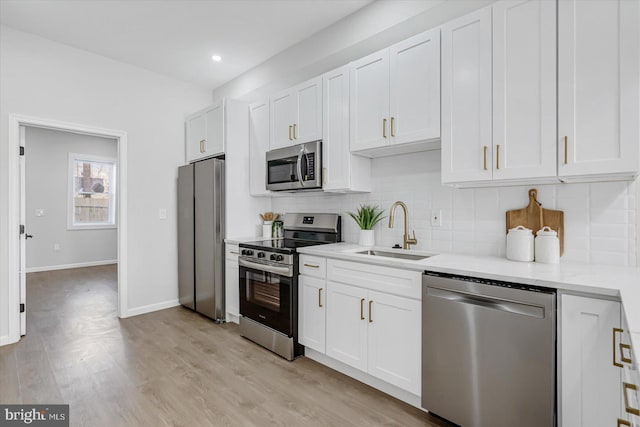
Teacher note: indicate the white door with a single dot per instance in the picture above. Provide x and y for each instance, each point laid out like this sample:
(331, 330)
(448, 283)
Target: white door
(307, 123)
(598, 84)
(282, 119)
(370, 101)
(466, 98)
(590, 384)
(335, 145)
(312, 312)
(23, 238)
(196, 135)
(258, 147)
(524, 89)
(346, 338)
(394, 340)
(415, 88)
(214, 137)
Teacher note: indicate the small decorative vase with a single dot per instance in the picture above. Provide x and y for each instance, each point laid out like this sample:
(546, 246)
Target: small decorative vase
(367, 238)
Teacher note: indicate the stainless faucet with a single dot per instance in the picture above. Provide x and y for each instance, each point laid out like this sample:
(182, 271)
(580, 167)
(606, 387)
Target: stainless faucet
(407, 240)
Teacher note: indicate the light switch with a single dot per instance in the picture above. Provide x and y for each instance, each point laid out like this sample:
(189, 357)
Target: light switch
(162, 213)
(39, 212)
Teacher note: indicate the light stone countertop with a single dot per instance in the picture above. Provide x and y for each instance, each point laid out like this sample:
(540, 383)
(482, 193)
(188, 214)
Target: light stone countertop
(618, 282)
(238, 240)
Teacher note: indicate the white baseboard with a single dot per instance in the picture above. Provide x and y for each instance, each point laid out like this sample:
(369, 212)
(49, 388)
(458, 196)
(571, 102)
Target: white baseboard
(7, 339)
(68, 266)
(136, 311)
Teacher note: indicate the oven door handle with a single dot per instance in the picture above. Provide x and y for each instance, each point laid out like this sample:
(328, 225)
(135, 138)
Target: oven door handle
(283, 271)
(300, 155)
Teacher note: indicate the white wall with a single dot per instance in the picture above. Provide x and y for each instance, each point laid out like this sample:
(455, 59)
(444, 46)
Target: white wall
(600, 218)
(47, 181)
(49, 80)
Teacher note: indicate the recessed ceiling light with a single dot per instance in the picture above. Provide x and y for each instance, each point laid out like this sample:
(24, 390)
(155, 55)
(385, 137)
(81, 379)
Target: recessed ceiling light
(216, 58)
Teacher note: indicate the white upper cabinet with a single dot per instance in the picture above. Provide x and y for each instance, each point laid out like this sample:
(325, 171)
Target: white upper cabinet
(524, 89)
(598, 77)
(296, 114)
(395, 96)
(342, 171)
(205, 133)
(466, 98)
(258, 147)
(415, 88)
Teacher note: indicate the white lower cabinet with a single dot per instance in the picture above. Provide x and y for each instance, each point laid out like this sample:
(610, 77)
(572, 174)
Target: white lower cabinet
(231, 283)
(312, 315)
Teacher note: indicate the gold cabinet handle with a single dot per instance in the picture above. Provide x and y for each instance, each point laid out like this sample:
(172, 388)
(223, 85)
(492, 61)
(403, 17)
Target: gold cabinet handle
(234, 253)
(624, 359)
(370, 314)
(203, 147)
(319, 297)
(566, 149)
(625, 391)
(295, 136)
(622, 422)
(485, 157)
(393, 132)
(290, 138)
(311, 265)
(384, 128)
(613, 334)
(362, 309)
(498, 156)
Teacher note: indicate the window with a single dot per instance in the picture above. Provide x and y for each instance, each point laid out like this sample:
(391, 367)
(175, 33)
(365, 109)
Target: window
(92, 192)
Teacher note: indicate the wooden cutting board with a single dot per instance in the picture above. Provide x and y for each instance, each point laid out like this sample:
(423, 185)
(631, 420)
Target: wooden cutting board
(535, 217)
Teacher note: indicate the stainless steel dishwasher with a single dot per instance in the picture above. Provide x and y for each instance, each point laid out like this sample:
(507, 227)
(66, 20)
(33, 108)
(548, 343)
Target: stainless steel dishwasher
(488, 352)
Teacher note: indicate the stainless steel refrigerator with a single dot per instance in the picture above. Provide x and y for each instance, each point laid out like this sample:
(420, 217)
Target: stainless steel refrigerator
(200, 237)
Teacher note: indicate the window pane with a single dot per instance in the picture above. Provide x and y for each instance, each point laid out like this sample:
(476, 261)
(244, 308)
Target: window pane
(93, 183)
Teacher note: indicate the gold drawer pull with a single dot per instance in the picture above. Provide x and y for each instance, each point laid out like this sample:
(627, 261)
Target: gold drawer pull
(497, 156)
(311, 266)
(370, 313)
(615, 362)
(485, 157)
(622, 357)
(566, 150)
(295, 136)
(393, 131)
(625, 391)
(362, 309)
(319, 297)
(384, 128)
(290, 138)
(233, 252)
(622, 422)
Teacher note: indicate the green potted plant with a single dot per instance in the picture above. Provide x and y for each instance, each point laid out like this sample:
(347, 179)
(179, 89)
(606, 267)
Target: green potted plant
(367, 216)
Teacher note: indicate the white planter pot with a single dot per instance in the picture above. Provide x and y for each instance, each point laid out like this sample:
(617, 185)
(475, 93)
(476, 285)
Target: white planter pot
(367, 238)
(266, 229)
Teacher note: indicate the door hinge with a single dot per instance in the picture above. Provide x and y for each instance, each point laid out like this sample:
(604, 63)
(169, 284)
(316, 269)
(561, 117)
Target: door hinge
(22, 308)
(21, 150)
(21, 229)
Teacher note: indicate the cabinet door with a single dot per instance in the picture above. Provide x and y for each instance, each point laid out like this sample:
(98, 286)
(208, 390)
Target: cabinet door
(598, 78)
(312, 312)
(195, 136)
(590, 383)
(214, 138)
(232, 287)
(394, 338)
(466, 98)
(308, 113)
(524, 89)
(347, 324)
(335, 145)
(415, 88)
(370, 101)
(258, 147)
(282, 119)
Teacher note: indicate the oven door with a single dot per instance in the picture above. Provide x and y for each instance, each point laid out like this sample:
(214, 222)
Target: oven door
(298, 167)
(266, 297)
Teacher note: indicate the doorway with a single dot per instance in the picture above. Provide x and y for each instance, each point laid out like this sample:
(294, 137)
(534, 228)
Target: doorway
(104, 211)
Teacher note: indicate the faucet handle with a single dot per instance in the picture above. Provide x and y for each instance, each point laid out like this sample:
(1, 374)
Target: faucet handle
(412, 240)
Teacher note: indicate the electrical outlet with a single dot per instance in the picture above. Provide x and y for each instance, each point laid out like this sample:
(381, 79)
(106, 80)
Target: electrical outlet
(162, 213)
(39, 212)
(56, 247)
(436, 218)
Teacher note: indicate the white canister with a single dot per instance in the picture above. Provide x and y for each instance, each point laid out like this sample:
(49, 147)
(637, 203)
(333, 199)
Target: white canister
(266, 229)
(520, 244)
(547, 246)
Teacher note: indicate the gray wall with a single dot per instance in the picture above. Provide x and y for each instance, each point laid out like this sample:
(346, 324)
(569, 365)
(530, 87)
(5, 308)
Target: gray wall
(47, 167)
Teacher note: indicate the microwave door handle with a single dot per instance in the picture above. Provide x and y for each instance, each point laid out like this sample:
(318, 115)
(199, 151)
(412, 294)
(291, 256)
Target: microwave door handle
(302, 153)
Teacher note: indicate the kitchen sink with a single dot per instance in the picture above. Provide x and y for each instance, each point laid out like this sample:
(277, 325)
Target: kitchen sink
(401, 255)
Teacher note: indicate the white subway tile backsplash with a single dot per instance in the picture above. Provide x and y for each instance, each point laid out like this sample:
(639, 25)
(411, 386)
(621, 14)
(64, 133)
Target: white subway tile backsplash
(600, 218)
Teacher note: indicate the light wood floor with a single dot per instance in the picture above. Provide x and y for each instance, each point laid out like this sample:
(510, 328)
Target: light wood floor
(171, 367)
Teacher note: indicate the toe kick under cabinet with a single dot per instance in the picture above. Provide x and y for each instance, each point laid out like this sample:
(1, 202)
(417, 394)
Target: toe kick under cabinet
(362, 316)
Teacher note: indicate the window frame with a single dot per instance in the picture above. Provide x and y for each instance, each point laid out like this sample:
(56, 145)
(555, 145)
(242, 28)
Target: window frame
(73, 157)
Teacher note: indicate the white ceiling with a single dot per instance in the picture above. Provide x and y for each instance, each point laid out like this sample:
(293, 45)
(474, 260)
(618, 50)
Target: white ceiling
(178, 37)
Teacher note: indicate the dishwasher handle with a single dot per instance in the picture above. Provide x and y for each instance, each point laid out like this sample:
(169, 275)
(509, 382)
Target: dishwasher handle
(487, 302)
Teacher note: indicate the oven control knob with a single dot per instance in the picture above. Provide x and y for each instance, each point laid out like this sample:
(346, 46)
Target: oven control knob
(260, 254)
(248, 252)
(279, 257)
(244, 252)
(272, 257)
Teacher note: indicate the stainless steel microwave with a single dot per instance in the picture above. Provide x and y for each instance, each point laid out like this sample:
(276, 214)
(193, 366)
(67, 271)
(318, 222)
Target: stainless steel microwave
(298, 167)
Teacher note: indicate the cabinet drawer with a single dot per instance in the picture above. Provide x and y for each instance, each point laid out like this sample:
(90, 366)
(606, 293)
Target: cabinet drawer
(384, 279)
(313, 266)
(231, 252)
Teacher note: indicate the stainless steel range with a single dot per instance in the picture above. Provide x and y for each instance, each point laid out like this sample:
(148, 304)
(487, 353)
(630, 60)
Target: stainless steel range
(269, 281)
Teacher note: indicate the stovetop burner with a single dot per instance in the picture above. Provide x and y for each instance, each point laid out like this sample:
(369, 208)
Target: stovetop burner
(280, 245)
